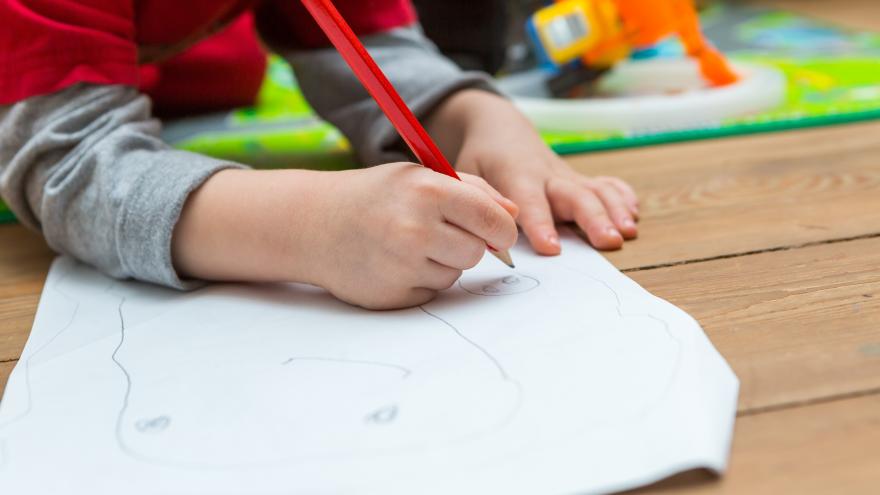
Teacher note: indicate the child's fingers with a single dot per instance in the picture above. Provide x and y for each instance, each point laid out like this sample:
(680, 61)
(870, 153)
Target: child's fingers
(505, 203)
(616, 208)
(394, 299)
(476, 212)
(536, 217)
(413, 297)
(574, 202)
(591, 217)
(456, 248)
(438, 277)
(628, 193)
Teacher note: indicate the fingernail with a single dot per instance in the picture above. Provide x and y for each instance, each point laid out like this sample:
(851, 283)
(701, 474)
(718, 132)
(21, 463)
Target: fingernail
(553, 239)
(628, 223)
(612, 232)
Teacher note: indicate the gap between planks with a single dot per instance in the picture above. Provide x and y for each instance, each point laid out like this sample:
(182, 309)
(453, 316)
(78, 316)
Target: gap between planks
(752, 252)
(808, 402)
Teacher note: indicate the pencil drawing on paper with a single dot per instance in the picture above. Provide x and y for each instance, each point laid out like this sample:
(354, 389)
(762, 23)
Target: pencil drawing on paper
(501, 286)
(389, 408)
(156, 421)
(153, 425)
(231, 378)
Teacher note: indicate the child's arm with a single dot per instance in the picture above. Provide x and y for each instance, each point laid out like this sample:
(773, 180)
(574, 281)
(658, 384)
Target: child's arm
(384, 237)
(85, 166)
(481, 132)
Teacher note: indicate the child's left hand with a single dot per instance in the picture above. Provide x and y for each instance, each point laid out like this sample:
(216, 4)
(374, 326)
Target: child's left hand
(495, 141)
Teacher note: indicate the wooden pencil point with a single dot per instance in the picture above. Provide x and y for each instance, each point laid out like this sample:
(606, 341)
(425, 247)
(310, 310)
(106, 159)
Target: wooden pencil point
(504, 256)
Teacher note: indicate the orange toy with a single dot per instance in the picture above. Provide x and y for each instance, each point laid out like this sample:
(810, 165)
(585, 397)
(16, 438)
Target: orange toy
(602, 32)
(645, 22)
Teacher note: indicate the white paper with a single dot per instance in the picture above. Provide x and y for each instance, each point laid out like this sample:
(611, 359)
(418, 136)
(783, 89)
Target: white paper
(562, 376)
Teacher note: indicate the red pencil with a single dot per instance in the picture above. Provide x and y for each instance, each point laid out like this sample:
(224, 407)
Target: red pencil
(380, 88)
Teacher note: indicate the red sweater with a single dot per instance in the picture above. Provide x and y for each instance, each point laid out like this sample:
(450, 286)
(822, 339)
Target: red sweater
(164, 47)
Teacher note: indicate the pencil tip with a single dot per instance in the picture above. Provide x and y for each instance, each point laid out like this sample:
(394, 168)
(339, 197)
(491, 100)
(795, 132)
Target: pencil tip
(505, 258)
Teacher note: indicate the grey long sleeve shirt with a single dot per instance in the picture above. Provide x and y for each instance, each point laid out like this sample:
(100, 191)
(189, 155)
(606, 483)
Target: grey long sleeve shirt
(85, 165)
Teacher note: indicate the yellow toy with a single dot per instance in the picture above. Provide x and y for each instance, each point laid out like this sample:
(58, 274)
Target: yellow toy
(600, 33)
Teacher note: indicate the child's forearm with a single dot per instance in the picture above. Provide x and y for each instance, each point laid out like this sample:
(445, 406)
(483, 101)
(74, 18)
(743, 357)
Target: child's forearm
(250, 225)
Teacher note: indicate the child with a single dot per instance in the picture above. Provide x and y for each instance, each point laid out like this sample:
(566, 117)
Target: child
(80, 158)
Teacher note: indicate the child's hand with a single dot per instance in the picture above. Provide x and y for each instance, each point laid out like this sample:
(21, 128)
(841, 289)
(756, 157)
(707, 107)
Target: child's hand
(500, 145)
(398, 233)
(383, 237)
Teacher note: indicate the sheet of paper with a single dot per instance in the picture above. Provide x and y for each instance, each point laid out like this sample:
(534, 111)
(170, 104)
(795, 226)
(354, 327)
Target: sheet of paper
(562, 376)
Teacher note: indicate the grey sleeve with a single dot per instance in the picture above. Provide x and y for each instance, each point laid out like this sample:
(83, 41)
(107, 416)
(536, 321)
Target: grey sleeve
(415, 67)
(85, 167)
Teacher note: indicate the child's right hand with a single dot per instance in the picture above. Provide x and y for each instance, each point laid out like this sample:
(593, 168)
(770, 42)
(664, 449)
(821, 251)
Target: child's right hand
(394, 235)
(383, 237)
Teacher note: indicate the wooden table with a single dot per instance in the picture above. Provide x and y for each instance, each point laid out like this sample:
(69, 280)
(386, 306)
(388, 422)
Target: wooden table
(772, 242)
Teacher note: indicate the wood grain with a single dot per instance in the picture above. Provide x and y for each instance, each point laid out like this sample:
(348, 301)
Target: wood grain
(25, 263)
(5, 370)
(25, 259)
(796, 326)
(820, 449)
(738, 195)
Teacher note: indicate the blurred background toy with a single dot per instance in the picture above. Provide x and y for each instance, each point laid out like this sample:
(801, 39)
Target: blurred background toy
(579, 40)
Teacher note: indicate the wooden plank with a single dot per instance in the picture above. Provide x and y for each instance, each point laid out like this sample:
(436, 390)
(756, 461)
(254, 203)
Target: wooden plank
(5, 370)
(23, 271)
(16, 320)
(25, 258)
(713, 198)
(795, 325)
(820, 449)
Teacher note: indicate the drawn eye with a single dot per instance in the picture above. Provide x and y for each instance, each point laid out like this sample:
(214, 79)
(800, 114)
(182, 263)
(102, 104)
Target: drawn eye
(153, 424)
(501, 286)
(383, 416)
